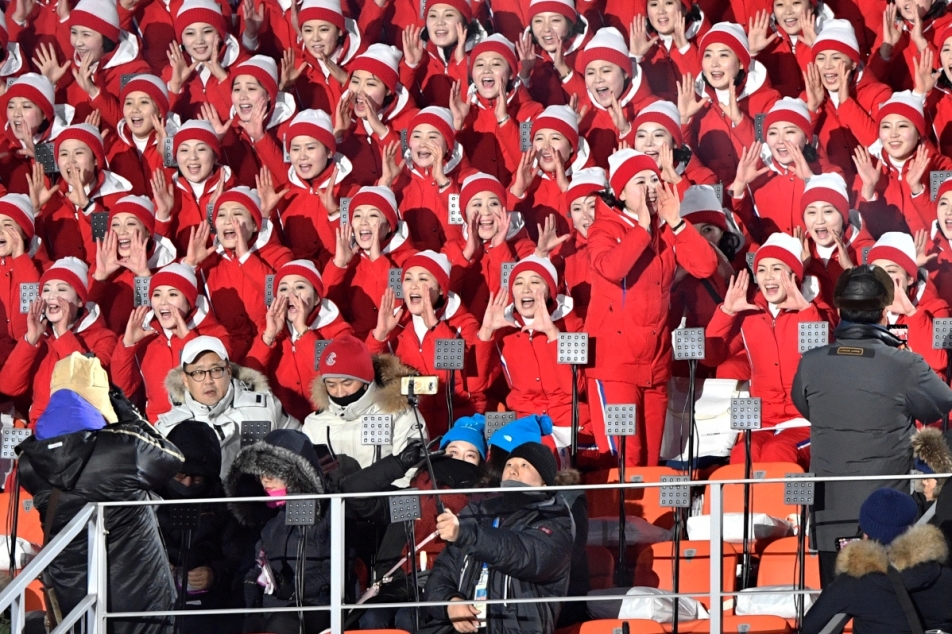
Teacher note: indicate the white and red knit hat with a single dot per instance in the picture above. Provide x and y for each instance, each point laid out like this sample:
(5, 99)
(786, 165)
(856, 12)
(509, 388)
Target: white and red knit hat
(380, 197)
(586, 182)
(197, 130)
(324, 10)
(179, 276)
(37, 89)
(262, 68)
(837, 35)
(944, 188)
(381, 61)
(701, 206)
(150, 85)
(793, 111)
(905, 104)
(562, 7)
(20, 209)
(608, 45)
(897, 247)
(562, 119)
(828, 188)
(478, 183)
(304, 268)
(783, 247)
(439, 118)
(101, 16)
(347, 357)
(140, 207)
(71, 270)
(663, 113)
(244, 196)
(84, 133)
(543, 267)
(624, 164)
(316, 124)
(200, 11)
(733, 37)
(496, 43)
(463, 6)
(436, 264)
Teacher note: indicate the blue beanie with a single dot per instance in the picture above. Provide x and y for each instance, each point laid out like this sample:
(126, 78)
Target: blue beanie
(520, 431)
(886, 514)
(67, 412)
(468, 429)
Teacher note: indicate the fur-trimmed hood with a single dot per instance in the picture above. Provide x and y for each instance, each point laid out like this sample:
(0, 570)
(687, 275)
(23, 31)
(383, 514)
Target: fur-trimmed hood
(251, 380)
(284, 454)
(385, 391)
(919, 545)
(567, 477)
(931, 447)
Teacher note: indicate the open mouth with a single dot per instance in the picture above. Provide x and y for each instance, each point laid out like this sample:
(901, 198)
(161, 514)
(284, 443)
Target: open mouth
(229, 234)
(125, 243)
(662, 21)
(548, 39)
(193, 169)
(3, 242)
(527, 303)
(831, 78)
(423, 155)
(441, 33)
(136, 122)
(717, 76)
(365, 235)
(822, 235)
(164, 315)
(53, 310)
(771, 289)
(546, 157)
(414, 299)
(791, 23)
(488, 82)
(603, 94)
(245, 108)
(317, 48)
(304, 168)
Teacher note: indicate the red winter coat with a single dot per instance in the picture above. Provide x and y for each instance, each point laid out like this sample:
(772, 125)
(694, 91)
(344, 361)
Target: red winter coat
(188, 211)
(717, 141)
(544, 83)
(940, 269)
(137, 167)
(289, 361)
(538, 383)
(475, 279)
(545, 198)
(492, 148)
(597, 126)
(786, 62)
(236, 287)
(30, 368)
(150, 361)
(246, 158)
(573, 259)
(628, 314)
(433, 78)
(664, 65)
(364, 148)
(203, 87)
(470, 383)
(857, 240)
(13, 272)
(425, 207)
(42, 26)
(929, 306)
(775, 358)
(358, 288)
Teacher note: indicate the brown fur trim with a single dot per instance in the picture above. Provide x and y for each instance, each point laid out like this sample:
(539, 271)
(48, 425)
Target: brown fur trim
(567, 477)
(388, 370)
(918, 545)
(862, 558)
(253, 380)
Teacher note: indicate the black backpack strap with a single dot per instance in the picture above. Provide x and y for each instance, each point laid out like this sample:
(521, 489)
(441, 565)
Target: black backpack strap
(711, 291)
(905, 601)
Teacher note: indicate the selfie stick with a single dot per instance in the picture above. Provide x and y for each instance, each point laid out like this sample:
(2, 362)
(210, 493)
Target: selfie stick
(413, 400)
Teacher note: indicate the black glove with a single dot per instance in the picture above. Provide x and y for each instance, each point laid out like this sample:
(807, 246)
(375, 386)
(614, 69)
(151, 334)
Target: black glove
(126, 412)
(411, 455)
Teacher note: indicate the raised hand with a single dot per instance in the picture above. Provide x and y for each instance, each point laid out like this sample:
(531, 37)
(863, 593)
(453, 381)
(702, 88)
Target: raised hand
(458, 106)
(181, 328)
(669, 204)
(680, 32)
(241, 244)
(503, 222)
(299, 323)
(138, 260)
(163, 195)
(327, 196)
(639, 41)
(558, 58)
(77, 193)
(254, 18)
(915, 34)
(181, 70)
(917, 169)
(40, 194)
(255, 125)
(542, 320)
(14, 238)
(344, 251)
(800, 165)
(525, 173)
(198, 248)
(413, 49)
(208, 113)
(731, 108)
(472, 237)
(344, 113)
(48, 64)
(922, 243)
(84, 76)
(901, 305)
(388, 318)
(808, 26)
(23, 10)
(107, 256)
(923, 75)
(669, 172)
(640, 207)
(846, 262)
(735, 299)
(804, 237)
(214, 63)
(275, 319)
(795, 299)
(390, 169)
(35, 321)
(459, 54)
(264, 183)
(757, 28)
(136, 331)
(289, 72)
(429, 312)
(560, 177)
(495, 316)
(814, 87)
(747, 170)
(868, 171)
(619, 120)
(549, 239)
(891, 32)
(527, 56)
(688, 102)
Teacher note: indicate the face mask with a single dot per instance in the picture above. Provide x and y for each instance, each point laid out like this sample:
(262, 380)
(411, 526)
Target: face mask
(344, 401)
(177, 490)
(276, 492)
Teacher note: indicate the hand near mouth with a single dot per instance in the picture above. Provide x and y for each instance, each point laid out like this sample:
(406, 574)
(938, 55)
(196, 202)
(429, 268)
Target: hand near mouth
(525, 173)
(460, 53)
(901, 305)
(412, 45)
(372, 116)
(77, 192)
(549, 240)
(495, 316)
(327, 196)
(163, 195)
(639, 42)
(25, 136)
(814, 87)
(558, 58)
(241, 243)
(15, 240)
(344, 251)
(429, 313)
(107, 256)
(459, 106)
(181, 71)
(181, 328)
(735, 299)
(343, 114)
(921, 242)
(804, 237)
(84, 76)
(389, 168)
(869, 172)
(807, 26)
(472, 237)
(503, 222)
(795, 299)
(560, 178)
(846, 262)
(210, 114)
(375, 249)
(731, 109)
(254, 126)
(40, 194)
(198, 249)
(158, 126)
(501, 106)
(617, 113)
(35, 321)
(542, 321)
(639, 207)
(275, 319)
(666, 162)
(680, 32)
(688, 102)
(138, 259)
(264, 183)
(801, 168)
(843, 90)
(387, 317)
(669, 204)
(299, 322)
(527, 55)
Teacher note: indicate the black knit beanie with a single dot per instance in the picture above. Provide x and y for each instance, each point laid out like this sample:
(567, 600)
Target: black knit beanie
(540, 457)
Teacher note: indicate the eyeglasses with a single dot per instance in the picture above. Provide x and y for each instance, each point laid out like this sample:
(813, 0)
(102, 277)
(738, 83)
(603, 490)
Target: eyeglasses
(199, 375)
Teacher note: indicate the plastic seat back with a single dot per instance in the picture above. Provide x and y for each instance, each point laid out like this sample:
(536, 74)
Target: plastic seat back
(644, 503)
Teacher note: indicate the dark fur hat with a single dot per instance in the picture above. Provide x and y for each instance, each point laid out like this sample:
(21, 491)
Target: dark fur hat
(863, 288)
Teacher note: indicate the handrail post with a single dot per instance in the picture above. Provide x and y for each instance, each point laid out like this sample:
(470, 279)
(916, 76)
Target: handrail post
(717, 556)
(101, 566)
(18, 614)
(337, 563)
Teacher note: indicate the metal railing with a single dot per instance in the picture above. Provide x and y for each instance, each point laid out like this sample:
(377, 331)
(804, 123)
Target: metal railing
(92, 609)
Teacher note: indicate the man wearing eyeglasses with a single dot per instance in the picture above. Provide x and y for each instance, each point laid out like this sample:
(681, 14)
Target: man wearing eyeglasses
(208, 387)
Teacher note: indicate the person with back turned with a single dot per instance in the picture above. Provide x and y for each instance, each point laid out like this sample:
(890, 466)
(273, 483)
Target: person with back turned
(862, 394)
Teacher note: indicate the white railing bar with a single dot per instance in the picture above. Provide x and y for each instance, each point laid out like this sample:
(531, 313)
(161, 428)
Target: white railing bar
(46, 556)
(73, 617)
(569, 487)
(337, 564)
(18, 613)
(717, 560)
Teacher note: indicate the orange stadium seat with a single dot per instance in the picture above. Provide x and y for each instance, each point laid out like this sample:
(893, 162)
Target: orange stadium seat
(601, 567)
(654, 568)
(644, 503)
(608, 626)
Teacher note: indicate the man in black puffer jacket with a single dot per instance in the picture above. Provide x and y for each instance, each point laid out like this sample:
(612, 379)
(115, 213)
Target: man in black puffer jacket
(78, 458)
(516, 545)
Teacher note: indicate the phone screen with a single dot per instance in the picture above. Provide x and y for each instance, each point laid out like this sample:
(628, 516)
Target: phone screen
(843, 542)
(900, 332)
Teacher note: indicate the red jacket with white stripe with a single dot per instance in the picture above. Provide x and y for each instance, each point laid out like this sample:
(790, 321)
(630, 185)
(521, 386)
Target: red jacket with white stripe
(30, 368)
(929, 306)
(631, 291)
(363, 147)
(289, 361)
(545, 198)
(13, 272)
(190, 211)
(150, 361)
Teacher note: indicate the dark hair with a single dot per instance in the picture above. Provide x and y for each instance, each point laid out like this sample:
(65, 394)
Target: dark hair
(493, 467)
(691, 16)
(810, 153)
(729, 244)
(609, 199)
(861, 316)
(944, 82)
(682, 154)
(108, 46)
(937, 10)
